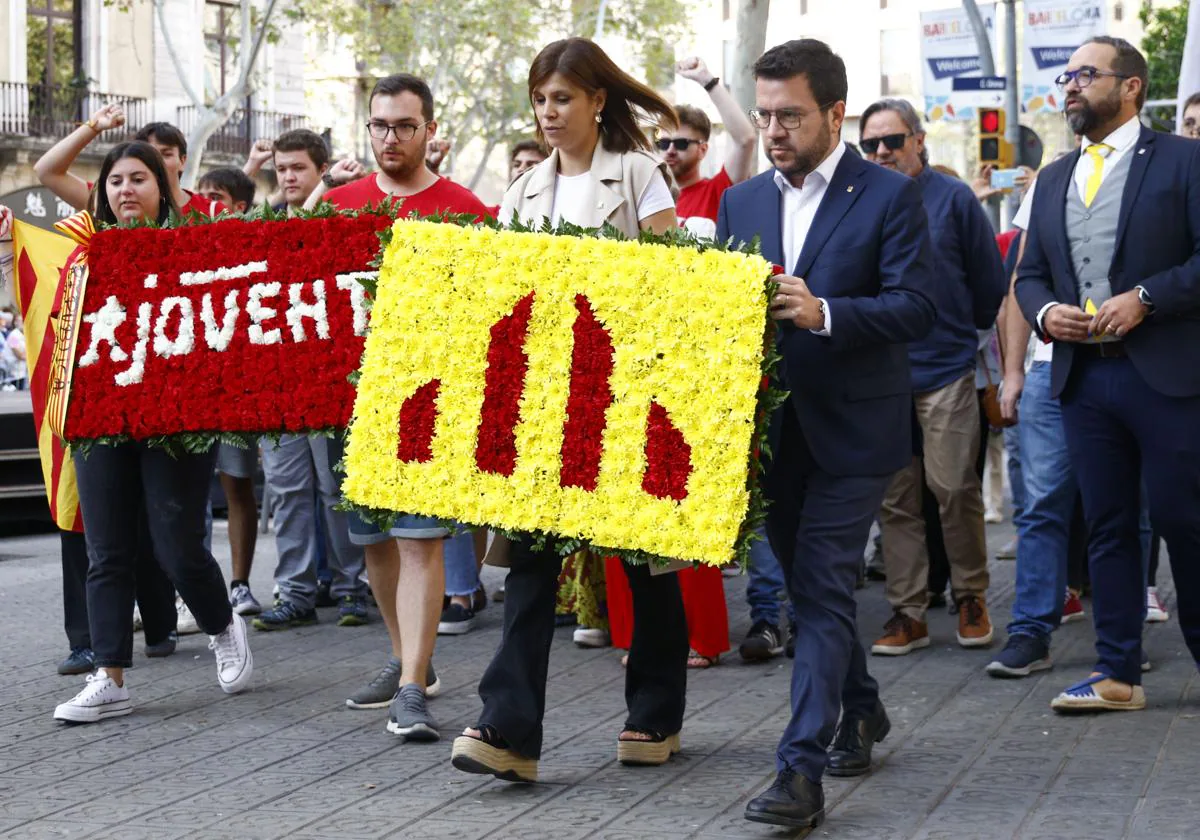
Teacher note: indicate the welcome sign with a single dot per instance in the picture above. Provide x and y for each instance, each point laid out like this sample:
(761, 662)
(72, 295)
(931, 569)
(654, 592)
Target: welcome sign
(949, 50)
(1054, 29)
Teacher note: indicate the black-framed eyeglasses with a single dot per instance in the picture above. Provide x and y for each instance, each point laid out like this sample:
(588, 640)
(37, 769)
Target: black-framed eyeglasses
(895, 142)
(403, 131)
(680, 143)
(1084, 76)
(788, 118)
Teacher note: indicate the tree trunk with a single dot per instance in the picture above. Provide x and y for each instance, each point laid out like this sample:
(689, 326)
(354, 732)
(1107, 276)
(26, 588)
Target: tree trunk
(208, 122)
(751, 40)
(483, 165)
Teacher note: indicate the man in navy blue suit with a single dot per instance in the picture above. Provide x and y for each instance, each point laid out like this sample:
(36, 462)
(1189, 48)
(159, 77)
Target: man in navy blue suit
(854, 239)
(1111, 274)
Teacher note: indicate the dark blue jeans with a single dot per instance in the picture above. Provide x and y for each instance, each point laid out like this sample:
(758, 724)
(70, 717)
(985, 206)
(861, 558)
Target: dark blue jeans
(119, 487)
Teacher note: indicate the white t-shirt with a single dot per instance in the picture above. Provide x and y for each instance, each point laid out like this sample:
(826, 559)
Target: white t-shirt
(1042, 352)
(571, 191)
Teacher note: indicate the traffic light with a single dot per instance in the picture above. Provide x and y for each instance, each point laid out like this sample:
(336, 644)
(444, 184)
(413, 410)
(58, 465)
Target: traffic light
(993, 149)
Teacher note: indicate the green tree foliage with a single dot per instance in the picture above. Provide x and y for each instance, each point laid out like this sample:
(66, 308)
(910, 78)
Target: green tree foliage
(476, 53)
(1166, 32)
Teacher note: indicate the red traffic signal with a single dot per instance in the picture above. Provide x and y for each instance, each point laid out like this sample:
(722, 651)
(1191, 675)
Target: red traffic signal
(991, 121)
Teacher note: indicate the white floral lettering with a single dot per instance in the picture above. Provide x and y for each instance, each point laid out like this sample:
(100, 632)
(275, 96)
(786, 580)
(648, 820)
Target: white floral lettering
(133, 374)
(104, 321)
(358, 296)
(185, 340)
(298, 310)
(218, 338)
(259, 313)
(236, 272)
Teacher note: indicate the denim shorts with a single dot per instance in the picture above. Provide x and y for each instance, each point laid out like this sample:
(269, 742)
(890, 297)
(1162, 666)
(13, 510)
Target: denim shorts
(237, 462)
(408, 526)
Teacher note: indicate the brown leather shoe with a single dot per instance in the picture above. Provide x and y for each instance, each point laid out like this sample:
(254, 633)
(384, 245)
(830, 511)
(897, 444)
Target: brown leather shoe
(902, 634)
(974, 625)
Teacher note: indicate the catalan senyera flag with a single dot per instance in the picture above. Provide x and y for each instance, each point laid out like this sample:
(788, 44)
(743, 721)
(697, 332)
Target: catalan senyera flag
(590, 388)
(38, 260)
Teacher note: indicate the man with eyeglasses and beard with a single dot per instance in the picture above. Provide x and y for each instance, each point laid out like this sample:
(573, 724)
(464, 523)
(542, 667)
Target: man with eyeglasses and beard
(854, 241)
(685, 148)
(405, 564)
(1111, 275)
(971, 290)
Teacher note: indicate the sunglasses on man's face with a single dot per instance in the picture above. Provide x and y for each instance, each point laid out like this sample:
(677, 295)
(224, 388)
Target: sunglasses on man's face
(895, 142)
(680, 143)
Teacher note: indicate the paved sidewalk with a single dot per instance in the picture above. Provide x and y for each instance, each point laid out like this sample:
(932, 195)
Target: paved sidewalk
(968, 757)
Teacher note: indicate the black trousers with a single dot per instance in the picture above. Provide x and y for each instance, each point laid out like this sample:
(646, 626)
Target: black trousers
(514, 686)
(131, 494)
(155, 594)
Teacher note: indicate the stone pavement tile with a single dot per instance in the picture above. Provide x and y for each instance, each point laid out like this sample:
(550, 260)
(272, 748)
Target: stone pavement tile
(51, 830)
(431, 829)
(324, 795)
(1047, 825)
(732, 823)
(1166, 818)
(176, 818)
(674, 808)
(496, 805)
(1103, 775)
(581, 808)
(32, 806)
(133, 832)
(1032, 776)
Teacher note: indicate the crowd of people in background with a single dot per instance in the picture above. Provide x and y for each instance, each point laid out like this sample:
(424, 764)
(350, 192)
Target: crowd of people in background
(922, 351)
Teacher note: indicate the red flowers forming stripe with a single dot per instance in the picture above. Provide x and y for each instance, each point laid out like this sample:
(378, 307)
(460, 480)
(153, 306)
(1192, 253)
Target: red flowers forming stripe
(417, 418)
(668, 457)
(504, 383)
(588, 400)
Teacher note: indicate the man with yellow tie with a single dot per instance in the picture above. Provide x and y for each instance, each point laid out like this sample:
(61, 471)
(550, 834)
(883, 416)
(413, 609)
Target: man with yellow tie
(1111, 274)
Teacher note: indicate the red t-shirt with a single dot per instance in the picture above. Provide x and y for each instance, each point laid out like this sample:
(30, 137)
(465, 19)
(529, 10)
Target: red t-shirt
(700, 202)
(442, 196)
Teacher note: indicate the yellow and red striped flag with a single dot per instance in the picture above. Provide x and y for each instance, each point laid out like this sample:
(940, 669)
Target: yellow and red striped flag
(38, 260)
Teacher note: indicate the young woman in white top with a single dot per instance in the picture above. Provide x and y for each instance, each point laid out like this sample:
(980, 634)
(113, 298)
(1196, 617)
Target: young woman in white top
(600, 171)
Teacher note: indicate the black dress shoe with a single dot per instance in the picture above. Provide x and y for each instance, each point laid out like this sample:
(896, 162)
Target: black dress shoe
(793, 801)
(850, 754)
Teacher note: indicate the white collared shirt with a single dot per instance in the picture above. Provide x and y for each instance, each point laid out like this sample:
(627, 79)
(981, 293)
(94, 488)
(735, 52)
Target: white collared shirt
(1121, 141)
(800, 205)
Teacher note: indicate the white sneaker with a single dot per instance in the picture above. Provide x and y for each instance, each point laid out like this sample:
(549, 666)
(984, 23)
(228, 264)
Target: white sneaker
(592, 637)
(101, 698)
(137, 618)
(185, 623)
(1155, 612)
(235, 664)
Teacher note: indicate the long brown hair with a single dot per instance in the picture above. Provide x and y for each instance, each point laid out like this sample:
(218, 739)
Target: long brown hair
(589, 67)
(98, 201)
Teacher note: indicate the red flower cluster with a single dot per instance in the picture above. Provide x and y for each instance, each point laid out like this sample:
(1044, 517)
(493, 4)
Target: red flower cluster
(504, 382)
(588, 400)
(240, 326)
(668, 457)
(418, 415)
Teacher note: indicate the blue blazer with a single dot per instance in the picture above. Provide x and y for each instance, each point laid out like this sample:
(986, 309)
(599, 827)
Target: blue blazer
(868, 254)
(1158, 247)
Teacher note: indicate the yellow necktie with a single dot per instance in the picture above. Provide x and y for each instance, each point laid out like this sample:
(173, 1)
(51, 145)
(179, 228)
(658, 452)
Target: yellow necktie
(1097, 152)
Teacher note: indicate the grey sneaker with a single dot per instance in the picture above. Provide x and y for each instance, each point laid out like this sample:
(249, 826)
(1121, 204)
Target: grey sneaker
(409, 717)
(243, 601)
(379, 692)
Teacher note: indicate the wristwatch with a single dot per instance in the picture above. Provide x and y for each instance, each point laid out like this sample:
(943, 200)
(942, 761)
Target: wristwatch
(1144, 297)
(327, 179)
(712, 83)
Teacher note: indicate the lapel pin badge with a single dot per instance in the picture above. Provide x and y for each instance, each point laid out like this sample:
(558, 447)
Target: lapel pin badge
(850, 189)
(1141, 151)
